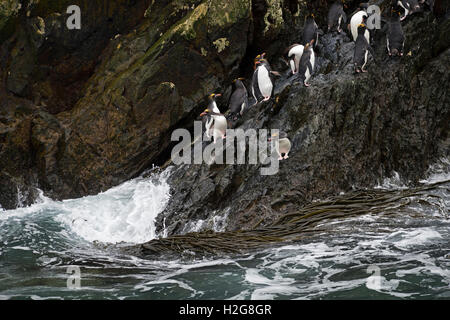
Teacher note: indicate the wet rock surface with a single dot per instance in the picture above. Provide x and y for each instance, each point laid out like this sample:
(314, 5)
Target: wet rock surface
(348, 131)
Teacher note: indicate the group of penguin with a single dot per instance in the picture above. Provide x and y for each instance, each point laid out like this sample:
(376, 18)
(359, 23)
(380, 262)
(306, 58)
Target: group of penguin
(301, 60)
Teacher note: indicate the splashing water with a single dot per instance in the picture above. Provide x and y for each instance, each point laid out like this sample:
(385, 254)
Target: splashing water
(408, 247)
(125, 213)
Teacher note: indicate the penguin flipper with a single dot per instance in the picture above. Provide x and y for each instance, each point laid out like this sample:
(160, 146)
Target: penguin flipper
(275, 73)
(255, 90)
(372, 52)
(310, 67)
(344, 17)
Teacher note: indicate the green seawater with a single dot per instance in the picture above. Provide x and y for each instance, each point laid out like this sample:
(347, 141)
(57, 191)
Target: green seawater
(402, 254)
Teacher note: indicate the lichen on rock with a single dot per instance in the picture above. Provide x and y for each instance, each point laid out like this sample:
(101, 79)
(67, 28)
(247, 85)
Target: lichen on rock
(221, 44)
(274, 15)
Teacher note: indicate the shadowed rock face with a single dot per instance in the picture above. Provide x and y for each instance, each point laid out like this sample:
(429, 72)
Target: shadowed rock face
(85, 110)
(104, 99)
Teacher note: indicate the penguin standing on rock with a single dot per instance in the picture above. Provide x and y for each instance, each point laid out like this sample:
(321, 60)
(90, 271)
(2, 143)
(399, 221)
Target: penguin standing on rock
(410, 6)
(294, 54)
(362, 48)
(357, 19)
(336, 16)
(263, 79)
(239, 99)
(307, 62)
(395, 38)
(216, 123)
(283, 146)
(310, 31)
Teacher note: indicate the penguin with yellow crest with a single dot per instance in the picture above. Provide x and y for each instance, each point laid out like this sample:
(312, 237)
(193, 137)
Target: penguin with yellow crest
(216, 124)
(362, 49)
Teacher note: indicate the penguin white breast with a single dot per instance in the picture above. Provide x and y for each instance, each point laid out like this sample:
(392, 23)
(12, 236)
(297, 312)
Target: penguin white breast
(312, 59)
(284, 145)
(298, 52)
(365, 58)
(208, 125)
(292, 64)
(215, 108)
(220, 125)
(264, 82)
(307, 75)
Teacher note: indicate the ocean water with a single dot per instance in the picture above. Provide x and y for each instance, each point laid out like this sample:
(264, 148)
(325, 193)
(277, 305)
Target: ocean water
(55, 250)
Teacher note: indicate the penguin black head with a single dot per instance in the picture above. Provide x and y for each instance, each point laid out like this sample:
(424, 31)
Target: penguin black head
(258, 58)
(364, 5)
(395, 14)
(261, 62)
(238, 82)
(364, 19)
(206, 112)
(362, 29)
(310, 18)
(308, 45)
(280, 135)
(213, 96)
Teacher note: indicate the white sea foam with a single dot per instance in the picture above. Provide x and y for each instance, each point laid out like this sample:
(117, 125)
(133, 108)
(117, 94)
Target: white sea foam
(215, 223)
(438, 172)
(125, 213)
(392, 183)
(409, 238)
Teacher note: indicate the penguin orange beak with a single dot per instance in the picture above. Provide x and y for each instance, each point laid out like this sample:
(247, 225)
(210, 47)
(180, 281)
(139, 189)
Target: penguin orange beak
(218, 94)
(202, 114)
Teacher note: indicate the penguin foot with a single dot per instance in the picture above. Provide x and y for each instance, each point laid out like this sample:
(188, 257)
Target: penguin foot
(266, 98)
(286, 156)
(364, 71)
(280, 158)
(307, 84)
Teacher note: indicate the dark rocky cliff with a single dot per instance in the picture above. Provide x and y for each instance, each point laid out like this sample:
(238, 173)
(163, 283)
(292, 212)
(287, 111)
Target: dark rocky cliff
(85, 110)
